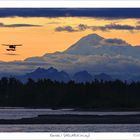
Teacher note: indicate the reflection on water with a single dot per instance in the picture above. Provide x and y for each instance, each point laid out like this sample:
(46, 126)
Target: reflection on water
(72, 128)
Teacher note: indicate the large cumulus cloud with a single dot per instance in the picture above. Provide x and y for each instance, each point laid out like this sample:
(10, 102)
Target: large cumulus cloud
(71, 63)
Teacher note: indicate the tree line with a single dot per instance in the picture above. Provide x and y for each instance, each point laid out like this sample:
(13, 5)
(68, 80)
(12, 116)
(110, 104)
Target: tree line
(54, 94)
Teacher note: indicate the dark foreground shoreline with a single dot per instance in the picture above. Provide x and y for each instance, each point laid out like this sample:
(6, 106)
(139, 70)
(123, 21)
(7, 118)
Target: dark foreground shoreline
(76, 119)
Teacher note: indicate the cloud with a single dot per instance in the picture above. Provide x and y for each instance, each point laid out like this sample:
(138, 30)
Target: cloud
(83, 27)
(115, 27)
(79, 28)
(116, 41)
(117, 64)
(65, 28)
(54, 22)
(18, 25)
(112, 64)
(110, 13)
(108, 27)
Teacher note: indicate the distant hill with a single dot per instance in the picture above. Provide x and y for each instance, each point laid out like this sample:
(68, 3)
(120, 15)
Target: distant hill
(51, 73)
(55, 75)
(103, 76)
(82, 76)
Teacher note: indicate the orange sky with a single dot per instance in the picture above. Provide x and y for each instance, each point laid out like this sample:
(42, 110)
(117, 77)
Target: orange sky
(40, 40)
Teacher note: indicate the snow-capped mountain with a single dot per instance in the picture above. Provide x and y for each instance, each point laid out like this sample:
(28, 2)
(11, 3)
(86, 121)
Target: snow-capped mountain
(94, 44)
(92, 53)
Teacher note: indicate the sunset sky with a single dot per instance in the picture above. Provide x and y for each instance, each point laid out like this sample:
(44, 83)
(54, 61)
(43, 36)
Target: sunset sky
(41, 34)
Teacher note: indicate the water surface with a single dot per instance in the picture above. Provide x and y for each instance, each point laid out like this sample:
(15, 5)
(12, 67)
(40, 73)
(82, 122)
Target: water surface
(18, 113)
(72, 128)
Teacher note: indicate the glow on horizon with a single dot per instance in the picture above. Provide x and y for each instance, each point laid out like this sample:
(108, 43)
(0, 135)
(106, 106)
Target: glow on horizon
(38, 41)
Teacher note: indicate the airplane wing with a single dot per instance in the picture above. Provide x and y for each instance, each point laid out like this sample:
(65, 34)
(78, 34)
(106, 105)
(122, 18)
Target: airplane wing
(18, 45)
(5, 45)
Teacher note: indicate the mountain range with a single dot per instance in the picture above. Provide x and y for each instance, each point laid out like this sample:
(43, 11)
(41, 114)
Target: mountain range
(51, 73)
(55, 75)
(92, 53)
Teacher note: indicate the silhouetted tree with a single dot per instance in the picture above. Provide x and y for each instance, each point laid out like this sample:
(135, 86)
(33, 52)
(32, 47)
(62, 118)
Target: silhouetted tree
(54, 94)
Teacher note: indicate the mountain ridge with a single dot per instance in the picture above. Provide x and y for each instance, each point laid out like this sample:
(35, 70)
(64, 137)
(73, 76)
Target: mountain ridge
(61, 76)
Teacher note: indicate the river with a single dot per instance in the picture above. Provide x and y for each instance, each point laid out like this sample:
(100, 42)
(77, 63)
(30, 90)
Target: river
(18, 113)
